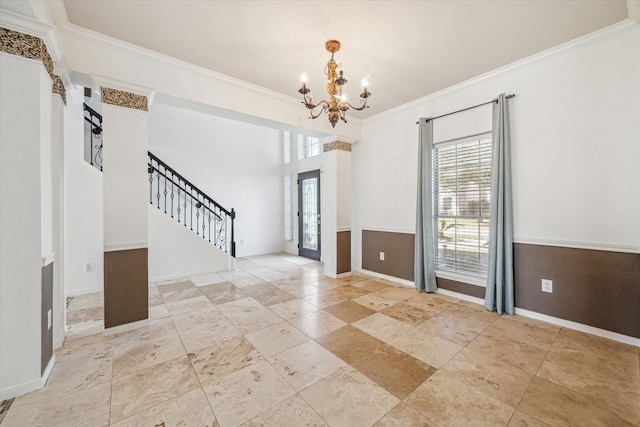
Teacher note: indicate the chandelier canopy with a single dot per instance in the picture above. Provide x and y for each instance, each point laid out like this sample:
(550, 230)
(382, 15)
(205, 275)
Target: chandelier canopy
(337, 105)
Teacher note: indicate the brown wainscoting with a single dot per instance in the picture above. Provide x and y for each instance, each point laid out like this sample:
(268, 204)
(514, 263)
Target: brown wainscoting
(126, 287)
(343, 255)
(398, 251)
(462, 288)
(592, 287)
(46, 341)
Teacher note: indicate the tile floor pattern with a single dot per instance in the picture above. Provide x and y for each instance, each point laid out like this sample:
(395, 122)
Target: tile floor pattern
(276, 343)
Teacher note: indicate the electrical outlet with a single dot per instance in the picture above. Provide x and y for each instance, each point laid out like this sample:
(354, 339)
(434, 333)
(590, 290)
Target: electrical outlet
(49, 319)
(88, 268)
(381, 256)
(547, 285)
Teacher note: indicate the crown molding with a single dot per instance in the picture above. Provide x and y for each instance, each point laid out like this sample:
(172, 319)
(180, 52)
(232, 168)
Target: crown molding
(336, 138)
(64, 26)
(102, 81)
(32, 27)
(614, 30)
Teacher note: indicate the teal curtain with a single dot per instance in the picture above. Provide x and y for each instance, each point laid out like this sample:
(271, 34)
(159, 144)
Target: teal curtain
(499, 294)
(425, 276)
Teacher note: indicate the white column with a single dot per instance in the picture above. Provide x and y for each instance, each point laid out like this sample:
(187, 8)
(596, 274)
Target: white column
(336, 205)
(125, 141)
(57, 190)
(24, 106)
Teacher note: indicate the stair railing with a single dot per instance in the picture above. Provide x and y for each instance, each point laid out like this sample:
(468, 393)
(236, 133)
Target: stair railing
(95, 137)
(173, 194)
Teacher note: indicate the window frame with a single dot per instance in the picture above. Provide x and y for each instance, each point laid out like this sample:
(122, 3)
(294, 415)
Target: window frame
(453, 274)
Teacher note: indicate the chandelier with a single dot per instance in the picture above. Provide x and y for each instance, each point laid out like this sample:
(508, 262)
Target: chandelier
(337, 105)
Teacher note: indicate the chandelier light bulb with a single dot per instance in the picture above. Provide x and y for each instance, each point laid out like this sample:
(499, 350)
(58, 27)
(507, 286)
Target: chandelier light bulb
(303, 78)
(365, 83)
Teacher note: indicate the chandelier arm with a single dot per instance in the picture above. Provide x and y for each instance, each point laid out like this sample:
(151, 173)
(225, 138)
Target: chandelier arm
(362, 107)
(322, 110)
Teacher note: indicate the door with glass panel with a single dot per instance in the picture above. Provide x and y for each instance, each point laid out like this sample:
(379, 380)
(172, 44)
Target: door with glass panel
(309, 214)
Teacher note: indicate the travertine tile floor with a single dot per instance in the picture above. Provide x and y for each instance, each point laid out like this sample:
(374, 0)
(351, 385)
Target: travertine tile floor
(276, 343)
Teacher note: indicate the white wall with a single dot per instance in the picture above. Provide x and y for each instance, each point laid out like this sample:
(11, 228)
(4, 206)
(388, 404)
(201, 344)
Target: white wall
(176, 252)
(576, 146)
(59, 297)
(125, 136)
(83, 206)
(237, 164)
(25, 100)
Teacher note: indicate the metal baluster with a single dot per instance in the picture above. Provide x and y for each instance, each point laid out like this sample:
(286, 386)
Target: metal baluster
(198, 205)
(179, 202)
(191, 195)
(172, 178)
(203, 222)
(158, 188)
(165, 190)
(185, 203)
(150, 170)
(209, 238)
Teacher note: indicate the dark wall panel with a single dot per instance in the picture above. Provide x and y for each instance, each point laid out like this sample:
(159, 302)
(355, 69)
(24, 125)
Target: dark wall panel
(343, 255)
(46, 341)
(463, 288)
(592, 287)
(126, 287)
(596, 288)
(398, 251)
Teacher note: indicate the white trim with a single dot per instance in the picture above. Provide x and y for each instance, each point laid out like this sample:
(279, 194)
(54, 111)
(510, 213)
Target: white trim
(107, 82)
(384, 276)
(32, 27)
(335, 138)
(610, 247)
(522, 312)
(91, 168)
(126, 327)
(29, 386)
(389, 230)
(59, 343)
(125, 246)
(579, 327)
(343, 229)
(458, 295)
(462, 278)
(48, 259)
(594, 37)
(188, 275)
(65, 26)
(48, 369)
(347, 274)
(84, 291)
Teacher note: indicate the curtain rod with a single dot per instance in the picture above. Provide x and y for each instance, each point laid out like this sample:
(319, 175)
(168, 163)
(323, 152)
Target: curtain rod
(468, 108)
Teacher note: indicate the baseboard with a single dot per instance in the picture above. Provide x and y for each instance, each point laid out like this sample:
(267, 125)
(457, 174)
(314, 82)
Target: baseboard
(126, 327)
(522, 312)
(187, 275)
(579, 327)
(48, 369)
(384, 276)
(84, 291)
(28, 387)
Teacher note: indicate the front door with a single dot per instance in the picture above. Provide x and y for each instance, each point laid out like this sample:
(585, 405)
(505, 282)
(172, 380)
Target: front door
(309, 214)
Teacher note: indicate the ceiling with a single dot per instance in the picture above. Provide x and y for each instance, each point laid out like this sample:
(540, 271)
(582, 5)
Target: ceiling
(406, 49)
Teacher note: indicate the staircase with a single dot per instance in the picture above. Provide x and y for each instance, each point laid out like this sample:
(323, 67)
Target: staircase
(93, 137)
(178, 198)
